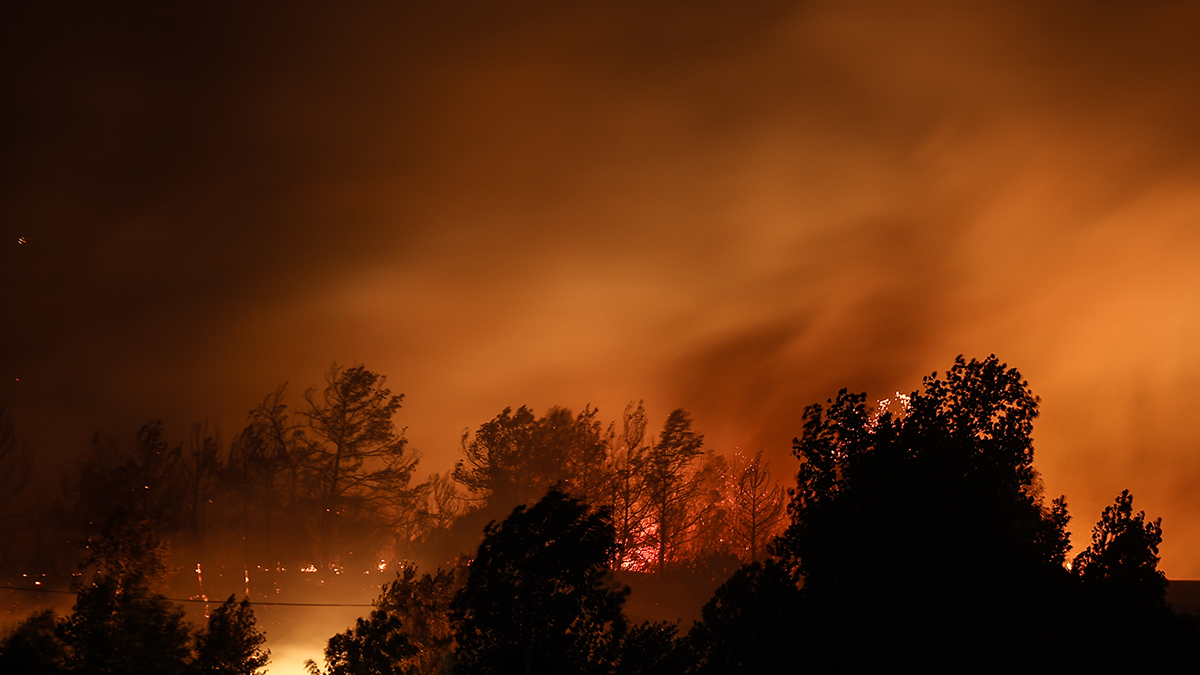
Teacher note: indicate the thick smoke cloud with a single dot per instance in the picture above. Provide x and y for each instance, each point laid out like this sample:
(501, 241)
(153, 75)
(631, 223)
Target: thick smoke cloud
(734, 209)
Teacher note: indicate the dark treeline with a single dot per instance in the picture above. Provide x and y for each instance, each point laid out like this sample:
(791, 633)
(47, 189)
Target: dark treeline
(326, 482)
(919, 540)
(914, 537)
(121, 625)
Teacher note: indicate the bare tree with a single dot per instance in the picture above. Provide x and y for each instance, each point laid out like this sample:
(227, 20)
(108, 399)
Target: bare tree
(443, 503)
(202, 469)
(626, 490)
(586, 449)
(271, 457)
(247, 487)
(708, 510)
(754, 503)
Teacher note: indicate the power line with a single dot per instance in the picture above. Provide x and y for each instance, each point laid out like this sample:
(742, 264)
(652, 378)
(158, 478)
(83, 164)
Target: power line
(207, 602)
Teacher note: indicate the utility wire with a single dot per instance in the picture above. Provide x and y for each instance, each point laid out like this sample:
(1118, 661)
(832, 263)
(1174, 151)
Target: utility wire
(209, 602)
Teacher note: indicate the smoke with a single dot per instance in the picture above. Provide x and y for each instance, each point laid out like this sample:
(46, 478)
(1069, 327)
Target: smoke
(736, 210)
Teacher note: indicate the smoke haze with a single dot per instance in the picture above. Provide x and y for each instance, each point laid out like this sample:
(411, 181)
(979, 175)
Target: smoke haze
(732, 208)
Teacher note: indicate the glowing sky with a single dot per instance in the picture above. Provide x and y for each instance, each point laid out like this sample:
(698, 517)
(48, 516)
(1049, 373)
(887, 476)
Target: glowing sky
(735, 208)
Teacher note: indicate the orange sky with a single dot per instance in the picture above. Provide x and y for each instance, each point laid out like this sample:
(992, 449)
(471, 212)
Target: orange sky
(735, 208)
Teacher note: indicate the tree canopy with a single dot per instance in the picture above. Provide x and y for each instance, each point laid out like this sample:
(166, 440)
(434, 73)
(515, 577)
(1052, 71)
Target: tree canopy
(539, 597)
(120, 625)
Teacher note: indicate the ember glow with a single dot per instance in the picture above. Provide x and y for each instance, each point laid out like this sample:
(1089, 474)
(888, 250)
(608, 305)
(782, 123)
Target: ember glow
(642, 556)
(896, 406)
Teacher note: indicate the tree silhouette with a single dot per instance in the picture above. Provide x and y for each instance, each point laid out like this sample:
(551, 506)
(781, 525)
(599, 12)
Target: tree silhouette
(202, 469)
(35, 647)
(408, 632)
(1123, 555)
(121, 626)
(231, 643)
(146, 482)
(672, 485)
(539, 596)
(515, 457)
(754, 504)
(625, 496)
(1122, 598)
(118, 624)
(443, 503)
(353, 450)
(422, 604)
(749, 623)
(376, 645)
(926, 533)
(653, 648)
(264, 463)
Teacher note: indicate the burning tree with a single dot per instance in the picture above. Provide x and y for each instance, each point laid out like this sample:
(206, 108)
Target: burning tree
(625, 496)
(754, 503)
(672, 486)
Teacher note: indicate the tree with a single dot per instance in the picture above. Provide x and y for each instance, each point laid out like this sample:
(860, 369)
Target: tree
(231, 644)
(625, 497)
(514, 458)
(587, 449)
(443, 503)
(202, 466)
(1122, 598)
(653, 648)
(1123, 556)
(35, 647)
(118, 625)
(146, 483)
(356, 456)
(754, 504)
(249, 482)
(708, 539)
(422, 605)
(272, 459)
(749, 623)
(121, 626)
(263, 486)
(539, 596)
(21, 509)
(671, 485)
(407, 632)
(376, 645)
(926, 532)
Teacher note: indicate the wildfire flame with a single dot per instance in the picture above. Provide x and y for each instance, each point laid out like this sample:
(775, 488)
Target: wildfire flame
(904, 401)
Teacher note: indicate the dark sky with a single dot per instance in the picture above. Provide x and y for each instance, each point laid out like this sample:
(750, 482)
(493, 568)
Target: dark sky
(735, 208)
